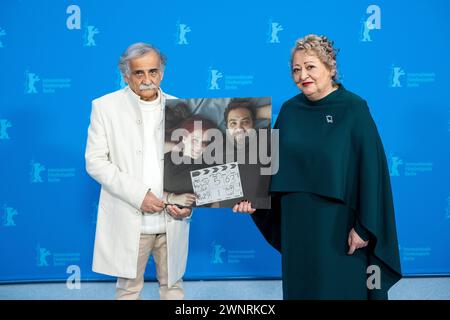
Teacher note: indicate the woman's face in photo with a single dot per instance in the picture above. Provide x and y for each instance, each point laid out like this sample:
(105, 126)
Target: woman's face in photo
(311, 75)
(194, 143)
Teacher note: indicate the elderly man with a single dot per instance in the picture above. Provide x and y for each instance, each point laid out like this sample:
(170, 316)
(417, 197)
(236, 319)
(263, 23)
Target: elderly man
(124, 153)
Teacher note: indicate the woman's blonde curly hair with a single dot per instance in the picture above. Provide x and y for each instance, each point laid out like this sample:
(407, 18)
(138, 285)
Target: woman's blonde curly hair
(322, 47)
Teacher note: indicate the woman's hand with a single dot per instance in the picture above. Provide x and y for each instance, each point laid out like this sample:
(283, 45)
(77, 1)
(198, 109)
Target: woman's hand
(184, 199)
(355, 242)
(243, 206)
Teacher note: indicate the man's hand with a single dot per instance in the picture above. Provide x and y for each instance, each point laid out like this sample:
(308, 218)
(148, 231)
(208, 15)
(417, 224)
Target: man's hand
(184, 199)
(244, 206)
(178, 213)
(151, 203)
(355, 242)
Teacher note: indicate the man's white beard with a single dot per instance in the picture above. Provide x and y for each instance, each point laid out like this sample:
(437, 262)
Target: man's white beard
(150, 86)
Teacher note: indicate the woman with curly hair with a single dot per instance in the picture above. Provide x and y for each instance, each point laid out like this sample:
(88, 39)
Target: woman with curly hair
(332, 215)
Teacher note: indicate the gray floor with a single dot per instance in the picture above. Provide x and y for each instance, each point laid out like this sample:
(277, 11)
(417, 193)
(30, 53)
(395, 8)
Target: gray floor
(405, 289)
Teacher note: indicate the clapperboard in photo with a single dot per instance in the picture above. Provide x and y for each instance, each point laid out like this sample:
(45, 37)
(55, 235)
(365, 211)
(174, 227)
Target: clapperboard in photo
(217, 183)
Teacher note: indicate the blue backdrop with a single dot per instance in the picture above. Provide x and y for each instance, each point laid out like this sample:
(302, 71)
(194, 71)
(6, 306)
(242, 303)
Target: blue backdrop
(57, 56)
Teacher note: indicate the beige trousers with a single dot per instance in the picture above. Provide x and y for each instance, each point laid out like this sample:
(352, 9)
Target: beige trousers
(130, 289)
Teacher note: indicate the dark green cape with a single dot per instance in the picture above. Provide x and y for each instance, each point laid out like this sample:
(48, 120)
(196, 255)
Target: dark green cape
(332, 148)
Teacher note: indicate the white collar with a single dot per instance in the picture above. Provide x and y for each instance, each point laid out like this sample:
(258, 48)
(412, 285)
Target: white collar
(143, 103)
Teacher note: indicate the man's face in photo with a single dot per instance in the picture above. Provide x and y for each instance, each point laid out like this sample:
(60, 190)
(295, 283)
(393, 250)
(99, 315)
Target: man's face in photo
(238, 123)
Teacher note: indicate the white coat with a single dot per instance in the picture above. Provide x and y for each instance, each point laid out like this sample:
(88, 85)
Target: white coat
(114, 158)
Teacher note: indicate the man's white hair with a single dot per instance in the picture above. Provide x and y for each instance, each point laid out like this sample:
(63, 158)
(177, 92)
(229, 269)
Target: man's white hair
(137, 50)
